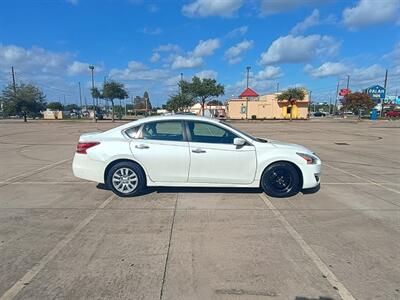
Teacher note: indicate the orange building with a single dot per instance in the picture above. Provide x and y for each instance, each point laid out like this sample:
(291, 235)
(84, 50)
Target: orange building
(250, 105)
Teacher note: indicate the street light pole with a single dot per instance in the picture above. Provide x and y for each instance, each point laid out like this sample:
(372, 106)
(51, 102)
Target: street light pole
(385, 86)
(247, 98)
(80, 94)
(91, 67)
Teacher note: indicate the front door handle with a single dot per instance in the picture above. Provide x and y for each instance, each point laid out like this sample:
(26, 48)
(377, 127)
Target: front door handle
(142, 146)
(198, 150)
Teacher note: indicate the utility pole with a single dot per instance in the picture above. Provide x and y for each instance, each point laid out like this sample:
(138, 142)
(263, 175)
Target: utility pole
(348, 82)
(85, 102)
(94, 105)
(336, 99)
(80, 94)
(13, 79)
(248, 72)
(385, 85)
(65, 102)
(330, 104)
(247, 98)
(181, 83)
(277, 87)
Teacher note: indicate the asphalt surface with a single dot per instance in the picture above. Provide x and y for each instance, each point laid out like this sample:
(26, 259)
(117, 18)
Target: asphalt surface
(64, 238)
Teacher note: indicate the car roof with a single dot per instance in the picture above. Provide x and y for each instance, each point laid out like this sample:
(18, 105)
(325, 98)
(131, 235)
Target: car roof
(166, 118)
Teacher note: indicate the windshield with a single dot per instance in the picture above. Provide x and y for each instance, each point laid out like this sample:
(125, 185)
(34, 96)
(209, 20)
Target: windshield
(246, 134)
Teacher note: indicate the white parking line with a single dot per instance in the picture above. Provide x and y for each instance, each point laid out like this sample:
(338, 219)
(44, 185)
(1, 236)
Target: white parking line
(46, 182)
(29, 173)
(324, 269)
(27, 278)
(362, 178)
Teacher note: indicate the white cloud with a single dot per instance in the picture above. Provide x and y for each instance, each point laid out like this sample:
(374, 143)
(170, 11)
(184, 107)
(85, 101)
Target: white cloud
(73, 2)
(206, 48)
(269, 73)
(237, 32)
(310, 21)
(328, 69)
(204, 8)
(181, 62)
(207, 74)
(395, 54)
(152, 31)
(366, 76)
(155, 57)
(234, 52)
(194, 59)
(297, 49)
(77, 68)
(370, 12)
(269, 7)
(153, 8)
(138, 71)
(167, 48)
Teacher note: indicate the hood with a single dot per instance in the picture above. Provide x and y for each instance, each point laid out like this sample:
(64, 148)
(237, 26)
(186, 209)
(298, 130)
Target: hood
(294, 147)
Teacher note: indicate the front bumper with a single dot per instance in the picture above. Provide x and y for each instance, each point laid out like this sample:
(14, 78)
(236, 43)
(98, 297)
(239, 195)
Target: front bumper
(311, 175)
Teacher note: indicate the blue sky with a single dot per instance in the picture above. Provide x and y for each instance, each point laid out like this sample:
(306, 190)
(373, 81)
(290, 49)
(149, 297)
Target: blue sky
(146, 44)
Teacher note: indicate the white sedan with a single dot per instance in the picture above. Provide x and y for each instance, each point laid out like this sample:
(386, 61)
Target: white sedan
(188, 151)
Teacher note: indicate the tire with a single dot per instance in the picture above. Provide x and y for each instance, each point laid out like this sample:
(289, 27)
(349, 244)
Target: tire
(280, 180)
(126, 179)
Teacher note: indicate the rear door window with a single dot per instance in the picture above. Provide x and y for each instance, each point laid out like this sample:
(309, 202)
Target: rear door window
(163, 131)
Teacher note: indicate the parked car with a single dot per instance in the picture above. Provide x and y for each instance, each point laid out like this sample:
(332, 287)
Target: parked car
(392, 114)
(190, 151)
(319, 114)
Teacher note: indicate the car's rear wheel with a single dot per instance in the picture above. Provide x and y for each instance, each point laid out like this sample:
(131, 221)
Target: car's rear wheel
(126, 179)
(281, 180)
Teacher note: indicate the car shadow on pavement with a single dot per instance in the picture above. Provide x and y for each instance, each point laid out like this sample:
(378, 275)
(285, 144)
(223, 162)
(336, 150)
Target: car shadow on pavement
(204, 190)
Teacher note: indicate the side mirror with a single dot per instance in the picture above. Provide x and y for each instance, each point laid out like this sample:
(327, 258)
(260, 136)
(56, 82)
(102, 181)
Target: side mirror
(239, 141)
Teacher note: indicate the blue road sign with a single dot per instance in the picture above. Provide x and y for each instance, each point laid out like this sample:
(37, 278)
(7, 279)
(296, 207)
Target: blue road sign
(376, 92)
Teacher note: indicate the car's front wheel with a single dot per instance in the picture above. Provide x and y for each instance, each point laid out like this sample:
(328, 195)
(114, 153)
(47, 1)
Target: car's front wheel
(281, 179)
(126, 179)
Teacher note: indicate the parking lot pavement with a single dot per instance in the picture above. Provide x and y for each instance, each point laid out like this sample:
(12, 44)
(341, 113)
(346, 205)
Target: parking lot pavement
(61, 237)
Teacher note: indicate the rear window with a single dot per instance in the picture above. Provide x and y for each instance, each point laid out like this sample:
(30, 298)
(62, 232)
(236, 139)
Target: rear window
(131, 132)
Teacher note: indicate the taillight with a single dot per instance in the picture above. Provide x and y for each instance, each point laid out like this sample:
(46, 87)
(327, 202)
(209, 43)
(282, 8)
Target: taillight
(82, 147)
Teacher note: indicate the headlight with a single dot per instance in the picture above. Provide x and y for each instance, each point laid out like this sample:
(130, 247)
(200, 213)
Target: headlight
(311, 160)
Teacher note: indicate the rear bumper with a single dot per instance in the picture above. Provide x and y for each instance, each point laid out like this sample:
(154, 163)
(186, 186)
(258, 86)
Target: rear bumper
(311, 176)
(87, 168)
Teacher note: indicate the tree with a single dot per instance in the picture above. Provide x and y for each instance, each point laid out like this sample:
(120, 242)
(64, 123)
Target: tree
(26, 100)
(179, 102)
(292, 95)
(55, 106)
(357, 102)
(214, 103)
(96, 93)
(201, 89)
(111, 90)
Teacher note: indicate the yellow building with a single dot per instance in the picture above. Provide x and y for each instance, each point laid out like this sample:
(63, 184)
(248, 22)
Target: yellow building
(266, 107)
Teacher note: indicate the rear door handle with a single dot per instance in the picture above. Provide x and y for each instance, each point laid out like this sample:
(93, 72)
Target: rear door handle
(142, 146)
(198, 150)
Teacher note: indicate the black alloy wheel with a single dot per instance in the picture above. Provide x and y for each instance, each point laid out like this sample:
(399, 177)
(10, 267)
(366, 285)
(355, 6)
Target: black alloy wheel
(281, 180)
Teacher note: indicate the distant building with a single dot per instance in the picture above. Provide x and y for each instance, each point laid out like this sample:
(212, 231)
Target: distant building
(266, 107)
(49, 114)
